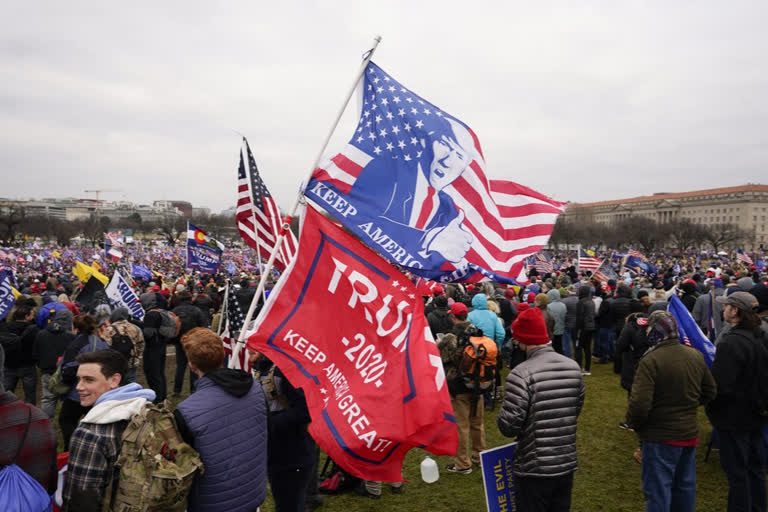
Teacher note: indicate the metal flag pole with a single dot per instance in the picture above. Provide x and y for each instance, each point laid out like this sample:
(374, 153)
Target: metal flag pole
(287, 220)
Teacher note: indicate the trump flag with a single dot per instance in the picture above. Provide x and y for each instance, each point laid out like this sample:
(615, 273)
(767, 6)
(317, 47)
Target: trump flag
(349, 329)
(411, 184)
(203, 251)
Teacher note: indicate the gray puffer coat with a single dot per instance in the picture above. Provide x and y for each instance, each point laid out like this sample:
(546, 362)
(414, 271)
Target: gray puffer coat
(542, 401)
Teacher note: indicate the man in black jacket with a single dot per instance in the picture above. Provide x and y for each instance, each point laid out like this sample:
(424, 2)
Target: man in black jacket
(732, 412)
(154, 347)
(20, 360)
(50, 344)
(190, 317)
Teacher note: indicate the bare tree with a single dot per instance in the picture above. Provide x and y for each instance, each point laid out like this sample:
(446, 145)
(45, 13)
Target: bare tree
(643, 231)
(10, 217)
(172, 228)
(684, 233)
(724, 235)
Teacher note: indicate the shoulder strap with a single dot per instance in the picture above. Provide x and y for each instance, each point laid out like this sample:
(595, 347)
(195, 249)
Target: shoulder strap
(92, 339)
(24, 437)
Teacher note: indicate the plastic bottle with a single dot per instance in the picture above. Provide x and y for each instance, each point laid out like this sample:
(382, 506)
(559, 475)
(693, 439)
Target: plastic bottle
(429, 471)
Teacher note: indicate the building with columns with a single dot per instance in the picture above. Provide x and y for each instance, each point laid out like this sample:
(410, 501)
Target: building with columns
(745, 206)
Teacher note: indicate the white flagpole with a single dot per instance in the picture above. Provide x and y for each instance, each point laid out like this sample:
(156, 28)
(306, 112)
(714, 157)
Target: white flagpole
(287, 221)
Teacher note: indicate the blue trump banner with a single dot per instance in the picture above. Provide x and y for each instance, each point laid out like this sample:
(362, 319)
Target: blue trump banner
(690, 333)
(203, 252)
(7, 300)
(411, 185)
(498, 479)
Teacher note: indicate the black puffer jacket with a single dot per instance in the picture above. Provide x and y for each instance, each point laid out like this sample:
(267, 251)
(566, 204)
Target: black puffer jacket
(25, 356)
(622, 306)
(630, 347)
(585, 310)
(51, 342)
(542, 401)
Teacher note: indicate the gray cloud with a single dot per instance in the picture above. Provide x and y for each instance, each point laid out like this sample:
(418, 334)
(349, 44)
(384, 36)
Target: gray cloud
(583, 102)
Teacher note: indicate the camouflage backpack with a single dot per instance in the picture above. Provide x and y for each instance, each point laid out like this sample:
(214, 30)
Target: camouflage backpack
(156, 467)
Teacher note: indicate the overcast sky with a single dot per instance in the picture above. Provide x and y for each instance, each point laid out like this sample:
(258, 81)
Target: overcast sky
(582, 101)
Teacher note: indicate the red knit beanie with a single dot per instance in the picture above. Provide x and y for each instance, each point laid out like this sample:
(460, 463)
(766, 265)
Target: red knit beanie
(529, 328)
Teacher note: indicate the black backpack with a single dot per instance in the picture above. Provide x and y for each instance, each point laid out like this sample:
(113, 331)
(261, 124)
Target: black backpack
(187, 318)
(122, 343)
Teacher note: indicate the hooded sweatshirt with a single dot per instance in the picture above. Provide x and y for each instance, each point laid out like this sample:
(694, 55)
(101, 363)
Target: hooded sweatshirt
(226, 421)
(51, 342)
(95, 446)
(558, 310)
(486, 320)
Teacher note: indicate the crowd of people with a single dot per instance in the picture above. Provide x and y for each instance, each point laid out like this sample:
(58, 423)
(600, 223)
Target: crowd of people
(87, 358)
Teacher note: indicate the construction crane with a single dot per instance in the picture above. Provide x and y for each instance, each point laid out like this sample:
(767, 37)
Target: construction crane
(99, 191)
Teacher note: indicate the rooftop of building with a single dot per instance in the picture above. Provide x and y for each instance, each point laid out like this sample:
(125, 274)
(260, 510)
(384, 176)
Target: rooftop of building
(750, 187)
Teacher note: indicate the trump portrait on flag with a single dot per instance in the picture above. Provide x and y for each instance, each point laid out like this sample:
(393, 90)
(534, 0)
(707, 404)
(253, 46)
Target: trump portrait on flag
(411, 184)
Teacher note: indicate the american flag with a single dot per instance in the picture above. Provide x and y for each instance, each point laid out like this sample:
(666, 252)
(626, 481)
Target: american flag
(743, 257)
(544, 263)
(258, 217)
(233, 319)
(636, 254)
(396, 128)
(587, 262)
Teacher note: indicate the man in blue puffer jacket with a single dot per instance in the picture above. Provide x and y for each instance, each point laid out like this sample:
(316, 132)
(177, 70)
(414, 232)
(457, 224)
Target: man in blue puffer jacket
(486, 320)
(225, 420)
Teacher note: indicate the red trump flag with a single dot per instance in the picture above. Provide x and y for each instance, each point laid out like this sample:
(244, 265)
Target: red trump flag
(349, 329)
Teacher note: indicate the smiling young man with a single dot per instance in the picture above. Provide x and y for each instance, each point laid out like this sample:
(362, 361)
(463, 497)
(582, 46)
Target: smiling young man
(95, 444)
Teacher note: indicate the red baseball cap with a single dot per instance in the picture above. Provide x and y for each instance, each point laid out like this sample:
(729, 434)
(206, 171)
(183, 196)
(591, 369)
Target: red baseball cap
(459, 309)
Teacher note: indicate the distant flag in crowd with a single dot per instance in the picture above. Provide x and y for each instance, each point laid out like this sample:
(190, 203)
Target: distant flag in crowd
(7, 297)
(84, 272)
(743, 257)
(636, 254)
(544, 263)
(141, 271)
(258, 217)
(203, 252)
(411, 184)
(689, 331)
(587, 262)
(233, 319)
(231, 268)
(121, 294)
(605, 273)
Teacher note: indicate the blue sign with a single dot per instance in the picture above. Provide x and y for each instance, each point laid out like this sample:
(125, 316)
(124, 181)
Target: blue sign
(7, 300)
(498, 478)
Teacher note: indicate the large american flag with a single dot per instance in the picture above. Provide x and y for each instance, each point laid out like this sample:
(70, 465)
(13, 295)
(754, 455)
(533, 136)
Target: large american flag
(258, 217)
(587, 262)
(233, 319)
(508, 221)
(636, 254)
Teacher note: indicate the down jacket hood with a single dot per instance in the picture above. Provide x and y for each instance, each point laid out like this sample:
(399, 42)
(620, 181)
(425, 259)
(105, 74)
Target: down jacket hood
(480, 301)
(553, 296)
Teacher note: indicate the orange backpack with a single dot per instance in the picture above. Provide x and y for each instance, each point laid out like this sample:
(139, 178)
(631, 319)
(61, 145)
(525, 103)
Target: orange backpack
(477, 363)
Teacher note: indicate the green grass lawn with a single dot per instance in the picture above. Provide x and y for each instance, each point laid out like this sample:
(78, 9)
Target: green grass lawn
(608, 478)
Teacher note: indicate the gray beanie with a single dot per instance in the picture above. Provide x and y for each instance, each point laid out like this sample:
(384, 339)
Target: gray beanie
(120, 313)
(745, 283)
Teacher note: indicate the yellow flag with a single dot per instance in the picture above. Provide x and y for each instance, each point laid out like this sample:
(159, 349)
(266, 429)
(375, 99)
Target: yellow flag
(96, 265)
(82, 271)
(101, 277)
(16, 292)
(590, 252)
(56, 254)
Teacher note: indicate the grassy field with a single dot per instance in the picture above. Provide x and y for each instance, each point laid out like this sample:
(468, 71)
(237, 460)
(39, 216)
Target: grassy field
(608, 478)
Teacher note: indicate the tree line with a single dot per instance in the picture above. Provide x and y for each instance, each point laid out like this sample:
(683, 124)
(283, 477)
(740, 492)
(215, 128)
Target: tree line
(644, 233)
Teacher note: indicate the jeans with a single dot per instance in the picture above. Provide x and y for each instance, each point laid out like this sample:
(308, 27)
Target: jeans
(533, 494)
(605, 347)
(289, 488)
(49, 399)
(568, 342)
(154, 368)
(669, 477)
(742, 456)
(28, 377)
(181, 368)
(584, 345)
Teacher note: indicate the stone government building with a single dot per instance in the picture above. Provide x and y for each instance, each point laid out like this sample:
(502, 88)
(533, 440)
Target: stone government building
(744, 205)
